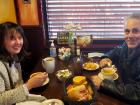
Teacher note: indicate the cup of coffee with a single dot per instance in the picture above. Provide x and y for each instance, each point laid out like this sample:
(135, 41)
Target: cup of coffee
(48, 64)
(108, 72)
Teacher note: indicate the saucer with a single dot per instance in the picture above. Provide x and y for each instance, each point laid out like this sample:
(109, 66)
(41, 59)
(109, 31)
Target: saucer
(46, 81)
(115, 76)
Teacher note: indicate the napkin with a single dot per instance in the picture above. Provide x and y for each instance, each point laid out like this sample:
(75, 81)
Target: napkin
(33, 100)
(95, 54)
(34, 97)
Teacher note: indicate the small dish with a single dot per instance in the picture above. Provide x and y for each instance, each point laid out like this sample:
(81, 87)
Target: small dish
(114, 76)
(64, 57)
(90, 66)
(52, 102)
(62, 75)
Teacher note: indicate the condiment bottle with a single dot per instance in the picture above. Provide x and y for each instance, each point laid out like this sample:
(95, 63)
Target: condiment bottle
(52, 49)
(78, 50)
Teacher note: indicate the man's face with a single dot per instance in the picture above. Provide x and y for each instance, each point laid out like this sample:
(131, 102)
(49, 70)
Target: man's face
(132, 33)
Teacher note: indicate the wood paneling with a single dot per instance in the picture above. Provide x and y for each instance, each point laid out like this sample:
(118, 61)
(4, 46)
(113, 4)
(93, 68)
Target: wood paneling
(28, 12)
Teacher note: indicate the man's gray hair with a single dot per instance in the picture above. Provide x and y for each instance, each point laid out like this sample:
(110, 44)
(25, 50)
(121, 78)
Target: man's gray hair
(134, 15)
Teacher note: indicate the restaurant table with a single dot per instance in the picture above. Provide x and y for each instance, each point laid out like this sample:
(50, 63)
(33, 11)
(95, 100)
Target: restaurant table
(55, 88)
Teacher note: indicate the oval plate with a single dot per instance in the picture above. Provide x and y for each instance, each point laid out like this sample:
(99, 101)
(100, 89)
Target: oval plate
(91, 67)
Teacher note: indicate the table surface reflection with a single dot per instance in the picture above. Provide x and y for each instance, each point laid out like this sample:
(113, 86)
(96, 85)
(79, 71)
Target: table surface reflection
(55, 88)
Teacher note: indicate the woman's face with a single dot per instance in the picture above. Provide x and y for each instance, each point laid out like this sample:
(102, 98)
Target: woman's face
(132, 32)
(13, 42)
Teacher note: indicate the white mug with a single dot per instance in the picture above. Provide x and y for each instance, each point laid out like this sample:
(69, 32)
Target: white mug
(48, 64)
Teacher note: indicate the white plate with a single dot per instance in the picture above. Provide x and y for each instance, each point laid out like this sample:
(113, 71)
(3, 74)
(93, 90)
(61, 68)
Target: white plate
(95, 54)
(115, 76)
(90, 69)
(28, 103)
(54, 101)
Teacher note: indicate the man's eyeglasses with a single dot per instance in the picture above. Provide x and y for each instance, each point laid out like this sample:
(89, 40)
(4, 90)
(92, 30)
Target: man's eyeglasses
(133, 30)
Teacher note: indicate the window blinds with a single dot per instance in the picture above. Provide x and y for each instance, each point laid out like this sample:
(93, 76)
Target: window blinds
(99, 18)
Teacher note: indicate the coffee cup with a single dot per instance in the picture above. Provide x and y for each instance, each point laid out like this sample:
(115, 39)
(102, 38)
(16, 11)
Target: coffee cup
(48, 64)
(108, 72)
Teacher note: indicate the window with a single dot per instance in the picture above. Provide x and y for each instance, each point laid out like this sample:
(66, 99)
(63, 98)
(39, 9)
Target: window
(99, 18)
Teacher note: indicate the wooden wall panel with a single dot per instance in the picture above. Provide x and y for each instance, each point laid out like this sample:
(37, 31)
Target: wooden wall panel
(28, 12)
(7, 11)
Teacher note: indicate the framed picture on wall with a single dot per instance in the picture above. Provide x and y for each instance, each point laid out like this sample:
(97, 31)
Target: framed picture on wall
(28, 12)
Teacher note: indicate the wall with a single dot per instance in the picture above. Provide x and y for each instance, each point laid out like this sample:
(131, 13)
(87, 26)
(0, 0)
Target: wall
(7, 11)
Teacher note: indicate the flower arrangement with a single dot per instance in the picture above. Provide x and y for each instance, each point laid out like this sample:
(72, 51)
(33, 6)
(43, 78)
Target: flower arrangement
(64, 53)
(72, 26)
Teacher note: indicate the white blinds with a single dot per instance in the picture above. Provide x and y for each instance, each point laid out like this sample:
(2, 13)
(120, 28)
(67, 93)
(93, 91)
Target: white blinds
(100, 18)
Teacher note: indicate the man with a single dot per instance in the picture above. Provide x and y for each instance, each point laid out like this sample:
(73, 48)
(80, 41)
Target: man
(127, 60)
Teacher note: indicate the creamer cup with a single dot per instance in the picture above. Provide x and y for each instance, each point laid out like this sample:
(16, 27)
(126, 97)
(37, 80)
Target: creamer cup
(48, 64)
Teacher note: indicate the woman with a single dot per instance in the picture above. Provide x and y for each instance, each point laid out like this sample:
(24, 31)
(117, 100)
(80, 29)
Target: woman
(12, 50)
(127, 60)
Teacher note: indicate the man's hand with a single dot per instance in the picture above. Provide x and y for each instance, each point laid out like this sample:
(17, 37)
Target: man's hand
(97, 81)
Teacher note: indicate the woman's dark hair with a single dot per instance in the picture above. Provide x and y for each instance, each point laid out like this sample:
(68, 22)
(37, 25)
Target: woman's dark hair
(5, 28)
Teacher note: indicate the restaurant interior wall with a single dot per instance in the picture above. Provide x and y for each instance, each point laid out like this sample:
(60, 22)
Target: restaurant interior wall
(7, 11)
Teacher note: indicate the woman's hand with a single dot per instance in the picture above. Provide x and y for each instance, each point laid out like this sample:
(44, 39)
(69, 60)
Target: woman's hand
(36, 80)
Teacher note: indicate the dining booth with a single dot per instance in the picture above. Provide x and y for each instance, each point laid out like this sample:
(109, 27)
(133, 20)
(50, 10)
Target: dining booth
(36, 30)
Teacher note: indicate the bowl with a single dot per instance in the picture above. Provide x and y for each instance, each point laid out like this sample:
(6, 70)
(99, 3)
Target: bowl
(64, 58)
(77, 102)
(64, 74)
